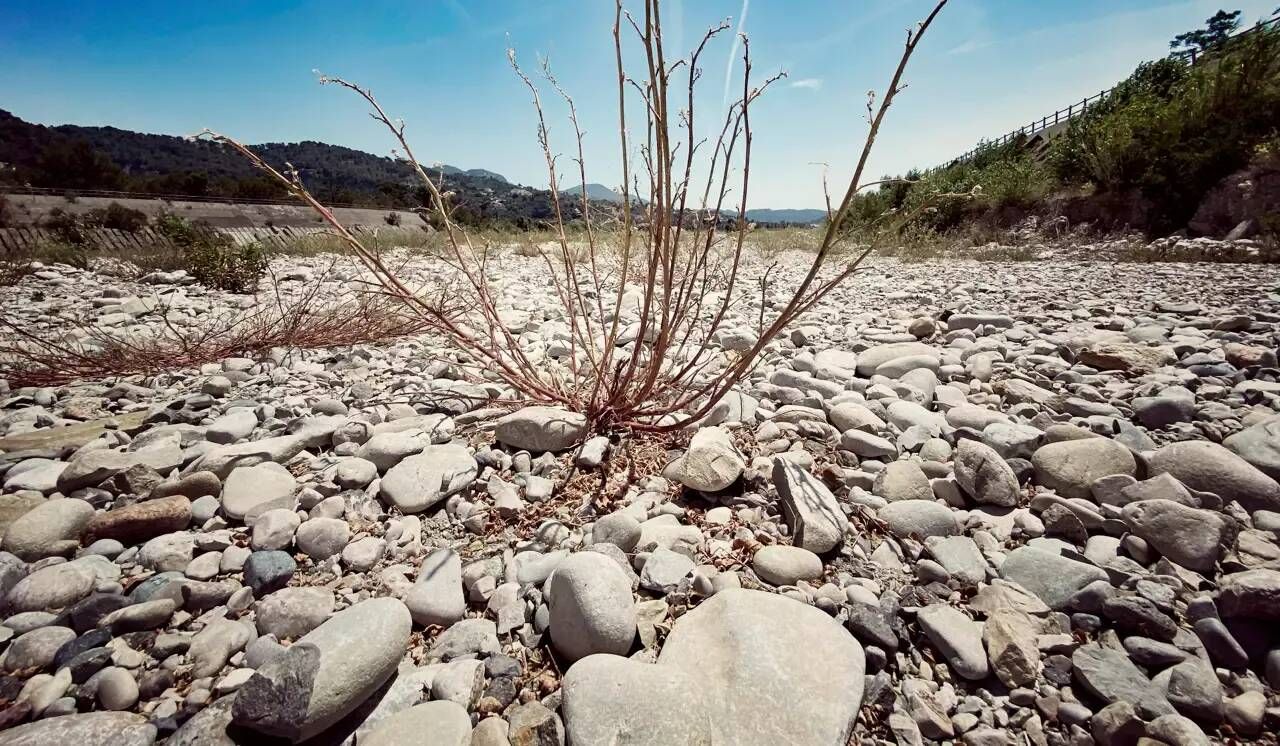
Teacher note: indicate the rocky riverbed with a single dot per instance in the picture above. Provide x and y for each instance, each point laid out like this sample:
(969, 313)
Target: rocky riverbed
(986, 503)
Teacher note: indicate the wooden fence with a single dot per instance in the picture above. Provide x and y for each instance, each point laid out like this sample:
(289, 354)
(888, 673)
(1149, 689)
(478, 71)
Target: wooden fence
(1064, 115)
(20, 240)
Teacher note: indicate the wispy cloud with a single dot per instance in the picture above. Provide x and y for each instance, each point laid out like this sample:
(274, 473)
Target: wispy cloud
(812, 84)
(733, 52)
(972, 45)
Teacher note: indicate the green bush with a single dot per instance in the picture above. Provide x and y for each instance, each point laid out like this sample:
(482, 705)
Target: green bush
(117, 217)
(226, 265)
(65, 226)
(1173, 130)
(212, 258)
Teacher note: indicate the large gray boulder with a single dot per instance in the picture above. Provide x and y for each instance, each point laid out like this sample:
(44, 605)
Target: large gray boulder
(1191, 537)
(541, 429)
(53, 527)
(250, 491)
(1250, 594)
(755, 650)
(919, 518)
(902, 480)
(816, 520)
(91, 468)
(984, 475)
(1208, 467)
(53, 587)
(711, 463)
(439, 723)
(592, 610)
(873, 358)
(1051, 577)
(1259, 445)
(419, 482)
(222, 460)
(1110, 676)
(1069, 467)
(326, 674)
(610, 700)
(84, 729)
(436, 597)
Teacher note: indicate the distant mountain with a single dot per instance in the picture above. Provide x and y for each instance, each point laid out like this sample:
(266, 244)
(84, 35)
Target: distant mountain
(802, 216)
(75, 157)
(595, 191)
(478, 173)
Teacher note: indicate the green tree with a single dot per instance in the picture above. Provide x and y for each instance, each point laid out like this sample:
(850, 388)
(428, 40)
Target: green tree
(1215, 31)
(76, 165)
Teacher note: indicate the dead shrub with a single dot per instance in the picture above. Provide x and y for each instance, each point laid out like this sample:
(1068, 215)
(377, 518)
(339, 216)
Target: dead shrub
(677, 192)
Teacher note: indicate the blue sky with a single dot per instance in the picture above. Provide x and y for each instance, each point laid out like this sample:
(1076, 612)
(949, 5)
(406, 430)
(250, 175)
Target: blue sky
(244, 68)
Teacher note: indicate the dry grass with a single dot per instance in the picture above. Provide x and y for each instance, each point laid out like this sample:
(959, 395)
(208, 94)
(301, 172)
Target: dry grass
(30, 358)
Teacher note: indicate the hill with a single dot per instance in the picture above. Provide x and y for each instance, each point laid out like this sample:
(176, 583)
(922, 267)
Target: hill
(596, 192)
(75, 157)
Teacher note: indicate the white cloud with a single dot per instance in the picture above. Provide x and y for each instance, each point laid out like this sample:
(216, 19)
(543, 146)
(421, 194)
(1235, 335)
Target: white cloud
(733, 52)
(812, 84)
(972, 45)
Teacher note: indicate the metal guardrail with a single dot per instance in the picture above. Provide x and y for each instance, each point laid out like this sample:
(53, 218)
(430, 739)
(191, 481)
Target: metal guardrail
(1076, 109)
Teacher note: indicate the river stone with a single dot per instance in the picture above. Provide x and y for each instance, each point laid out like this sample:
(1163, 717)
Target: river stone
(214, 645)
(592, 610)
(1069, 467)
(984, 475)
(52, 587)
(847, 416)
(902, 480)
(47, 528)
(959, 556)
(871, 359)
(420, 482)
(36, 649)
(293, 612)
(817, 523)
(1191, 537)
(94, 467)
(13, 507)
(250, 491)
(601, 707)
(321, 538)
(919, 518)
(1258, 444)
(1051, 577)
(84, 729)
(1208, 467)
(1109, 675)
(541, 429)
(1127, 357)
(436, 597)
(136, 523)
(1011, 637)
(222, 460)
(328, 673)
(35, 474)
(957, 637)
(780, 564)
(208, 727)
(438, 723)
(711, 463)
(1250, 594)
(268, 571)
(756, 649)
